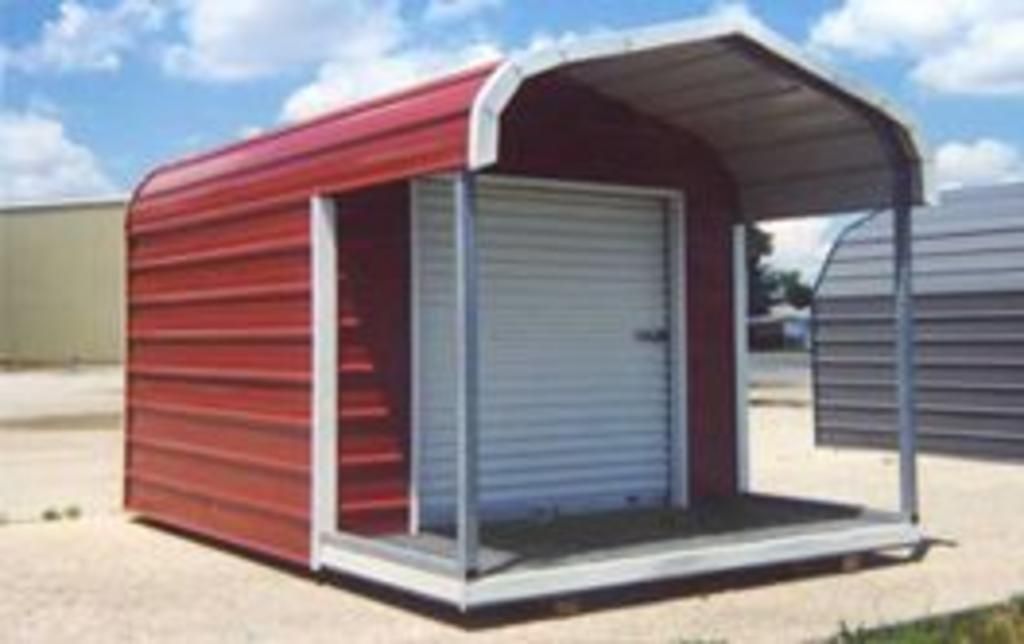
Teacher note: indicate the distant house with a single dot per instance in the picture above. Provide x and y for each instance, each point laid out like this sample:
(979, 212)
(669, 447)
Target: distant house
(784, 327)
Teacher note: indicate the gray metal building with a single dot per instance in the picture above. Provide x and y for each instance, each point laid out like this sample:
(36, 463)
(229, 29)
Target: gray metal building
(969, 303)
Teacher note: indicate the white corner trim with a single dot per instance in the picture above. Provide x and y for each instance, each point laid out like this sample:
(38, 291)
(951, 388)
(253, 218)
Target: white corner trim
(679, 358)
(323, 229)
(742, 366)
(501, 87)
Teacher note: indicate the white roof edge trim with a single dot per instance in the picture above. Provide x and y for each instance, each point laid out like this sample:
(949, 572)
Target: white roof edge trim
(499, 89)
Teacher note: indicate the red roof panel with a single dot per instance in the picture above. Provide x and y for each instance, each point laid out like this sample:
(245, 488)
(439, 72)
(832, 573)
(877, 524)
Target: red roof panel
(378, 132)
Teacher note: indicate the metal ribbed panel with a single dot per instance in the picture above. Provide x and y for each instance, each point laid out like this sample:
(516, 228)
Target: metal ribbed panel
(218, 376)
(574, 409)
(969, 280)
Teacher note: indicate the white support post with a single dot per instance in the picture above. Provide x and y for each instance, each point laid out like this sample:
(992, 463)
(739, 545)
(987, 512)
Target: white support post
(904, 305)
(323, 229)
(742, 366)
(467, 372)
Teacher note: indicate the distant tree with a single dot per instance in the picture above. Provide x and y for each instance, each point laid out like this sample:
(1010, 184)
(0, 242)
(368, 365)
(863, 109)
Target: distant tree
(767, 286)
(793, 290)
(760, 280)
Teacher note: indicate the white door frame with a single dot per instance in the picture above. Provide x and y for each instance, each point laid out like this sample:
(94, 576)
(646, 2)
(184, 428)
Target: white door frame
(679, 385)
(742, 351)
(679, 438)
(323, 511)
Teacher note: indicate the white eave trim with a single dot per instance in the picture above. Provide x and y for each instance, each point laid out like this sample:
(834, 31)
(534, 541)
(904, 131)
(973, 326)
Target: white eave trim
(499, 89)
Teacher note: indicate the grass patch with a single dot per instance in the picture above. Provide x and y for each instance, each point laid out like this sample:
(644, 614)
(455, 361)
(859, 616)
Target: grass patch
(1000, 624)
(71, 513)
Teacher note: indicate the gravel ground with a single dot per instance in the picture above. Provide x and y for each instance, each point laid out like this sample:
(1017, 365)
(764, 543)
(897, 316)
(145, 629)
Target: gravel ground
(105, 578)
(60, 442)
(76, 397)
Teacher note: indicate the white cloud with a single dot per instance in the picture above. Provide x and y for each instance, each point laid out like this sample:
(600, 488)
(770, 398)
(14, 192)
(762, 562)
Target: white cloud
(349, 79)
(246, 39)
(979, 162)
(360, 48)
(543, 39)
(801, 244)
(736, 11)
(39, 161)
(870, 28)
(250, 131)
(350, 76)
(83, 38)
(957, 46)
(452, 10)
(989, 60)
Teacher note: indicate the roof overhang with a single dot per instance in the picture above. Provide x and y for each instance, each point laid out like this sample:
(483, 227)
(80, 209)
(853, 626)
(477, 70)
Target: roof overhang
(796, 139)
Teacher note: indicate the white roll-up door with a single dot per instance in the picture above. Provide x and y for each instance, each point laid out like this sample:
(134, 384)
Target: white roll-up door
(574, 363)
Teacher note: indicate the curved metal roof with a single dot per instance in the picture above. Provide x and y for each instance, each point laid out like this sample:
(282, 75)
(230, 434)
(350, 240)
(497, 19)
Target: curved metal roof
(796, 139)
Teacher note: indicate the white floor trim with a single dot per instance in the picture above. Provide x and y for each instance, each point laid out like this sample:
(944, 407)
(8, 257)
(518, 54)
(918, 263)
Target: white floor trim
(519, 585)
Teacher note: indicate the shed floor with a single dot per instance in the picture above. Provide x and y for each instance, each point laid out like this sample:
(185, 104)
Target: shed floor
(564, 540)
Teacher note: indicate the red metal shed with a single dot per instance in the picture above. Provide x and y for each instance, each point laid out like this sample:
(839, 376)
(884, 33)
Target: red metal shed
(424, 338)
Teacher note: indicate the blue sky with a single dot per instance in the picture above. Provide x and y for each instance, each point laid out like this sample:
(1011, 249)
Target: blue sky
(94, 92)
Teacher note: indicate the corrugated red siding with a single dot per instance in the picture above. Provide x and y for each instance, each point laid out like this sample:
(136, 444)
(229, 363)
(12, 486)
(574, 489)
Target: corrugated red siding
(218, 395)
(558, 129)
(219, 375)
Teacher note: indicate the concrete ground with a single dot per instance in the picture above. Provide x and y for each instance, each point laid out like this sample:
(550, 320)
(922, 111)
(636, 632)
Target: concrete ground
(60, 442)
(105, 578)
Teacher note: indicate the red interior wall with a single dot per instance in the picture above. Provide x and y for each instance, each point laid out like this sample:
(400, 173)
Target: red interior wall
(374, 301)
(558, 129)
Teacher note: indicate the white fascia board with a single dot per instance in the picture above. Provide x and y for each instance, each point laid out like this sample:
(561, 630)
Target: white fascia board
(498, 91)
